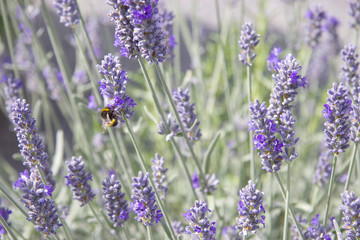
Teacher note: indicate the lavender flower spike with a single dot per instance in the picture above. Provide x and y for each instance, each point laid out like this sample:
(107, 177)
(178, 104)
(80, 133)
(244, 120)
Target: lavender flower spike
(251, 210)
(248, 41)
(199, 225)
(4, 212)
(268, 145)
(77, 179)
(351, 211)
(117, 208)
(187, 114)
(355, 13)
(143, 203)
(68, 12)
(36, 199)
(336, 113)
(31, 147)
(355, 116)
(323, 169)
(12, 88)
(315, 26)
(350, 67)
(159, 175)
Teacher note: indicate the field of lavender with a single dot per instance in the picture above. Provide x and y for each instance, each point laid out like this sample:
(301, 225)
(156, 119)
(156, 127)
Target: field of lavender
(142, 122)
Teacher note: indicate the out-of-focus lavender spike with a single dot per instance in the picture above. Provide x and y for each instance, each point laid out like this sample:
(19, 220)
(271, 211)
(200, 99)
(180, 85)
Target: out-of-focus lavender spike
(351, 211)
(354, 13)
(315, 26)
(12, 88)
(249, 39)
(350, 66)
(68, 12)
(323, 169)
(159, 176)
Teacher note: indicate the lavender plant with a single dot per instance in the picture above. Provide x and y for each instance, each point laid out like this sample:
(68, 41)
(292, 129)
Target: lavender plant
(351, 209)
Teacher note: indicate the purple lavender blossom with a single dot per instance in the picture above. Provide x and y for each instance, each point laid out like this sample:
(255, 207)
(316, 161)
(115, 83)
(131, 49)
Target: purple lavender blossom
(137, 30)
(199, 225)
(355, 116)
(315, 26)
(195, 180)
(265, 141)
(351, 210)
(92, 103)
(31, 147)
(287, 133)
(355, 13)
(323, 168)
(52, 76)
(248, 41)
(178, 228)
(12, 88)
(4, 212)
(208, 185)
(187, 114)
(287, 78)
(173, 126)
(251, 210)
(68, 12)
(166, 23)
(77, 179)
(113, 86)
(336, 113)
(273, 59)
(80, 77)
(318, 231)
(230, 233)
(294, 231)
(36, 198)
(350, 67)
(159, 176)
(143, 203)
(331, 25)
(116, 206)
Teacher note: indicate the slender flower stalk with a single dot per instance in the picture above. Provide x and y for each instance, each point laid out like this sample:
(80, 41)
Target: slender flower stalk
(77, 179)
(31, 147)
(199, 225)
(116, 206)
(36, 198)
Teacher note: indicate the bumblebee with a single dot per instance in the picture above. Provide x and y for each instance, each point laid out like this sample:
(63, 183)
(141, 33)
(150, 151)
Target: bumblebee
(108, 117)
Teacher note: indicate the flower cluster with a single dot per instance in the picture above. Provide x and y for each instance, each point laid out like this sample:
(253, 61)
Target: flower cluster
(31, 147)
(4, 212)
(199, 225)
(273, 59)
(12, 87)
(77, 179)
(159, 175)
(143, 203)
(248, 41)
(68, 12)
(336, 113)
(323, 169)
(178, 228)
(137, 30)
(355, 13)
(313, 231)
(350, 67)
(355, 116)
(317, 18)
(36, 198)
(251, 210)
(265, 140)
(166, 23)
(113, 86)
(171, 123)
(208, 185)
(116, 206)
(230, 233)
(351, 211)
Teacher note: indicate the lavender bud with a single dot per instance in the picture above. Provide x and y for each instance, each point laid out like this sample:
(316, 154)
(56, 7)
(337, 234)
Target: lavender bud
(199, 225)
(4, 212)
(187, 114)
(143, 203)
(351, 211)
(195, 180)
(178, 228)
(355, 13)
(159, 175)
(36, 199)
(265, 141)
(349, 69)
(248, 41)
(31, 147)
(172, 125)
(336, 113)
(315, 26)
(12, 88)
(77, 179)
(68, 12)
(117, 208)
(251, 210)
(323, 169)
(273, 59)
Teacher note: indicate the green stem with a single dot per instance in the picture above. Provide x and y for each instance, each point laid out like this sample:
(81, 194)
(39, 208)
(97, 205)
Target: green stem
(162, 114)
(351, 166)
(143, 166)
(97, 217)
(10, 199)
(286, 216)
(149, 232)
(332, 178)
(283, 193)
(56, 237)
(252, 161)
(5, 14)
(7, 228)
